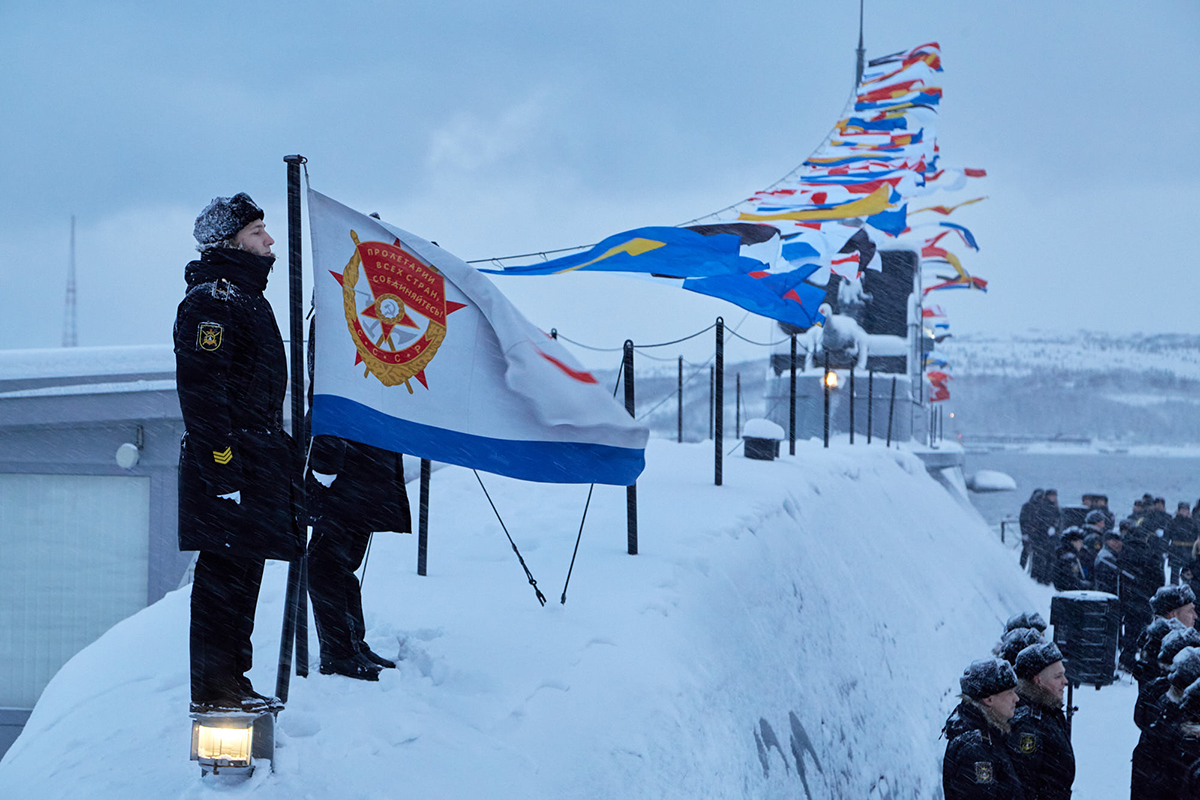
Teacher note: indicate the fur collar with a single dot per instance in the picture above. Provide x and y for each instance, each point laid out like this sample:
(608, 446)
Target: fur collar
(988, 714)
(1036, 695)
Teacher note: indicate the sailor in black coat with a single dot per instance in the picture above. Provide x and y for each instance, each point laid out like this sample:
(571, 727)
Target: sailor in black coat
(1152, 701)
(1039, 742)
(1142, 560)
(1107, 573)
(977, 765)
(1027, 523)
(1170, 743)
(1068, 571)
(236, 495)
(352, 490)
(1181, 536)
(1149, 667)
(1046, 523)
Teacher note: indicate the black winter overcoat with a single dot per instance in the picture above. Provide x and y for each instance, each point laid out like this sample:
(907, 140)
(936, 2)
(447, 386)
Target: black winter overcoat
(1169, 745)
(1047, 517)
(1151, 696)
(1181, 535)
(368, 494)
(977, 765)
(1193, 566)
(1041, 752)
(231, 375)
(1107, 575)
(1068, 572)
(1155, 520)
(1142, 559)
(1028, 513)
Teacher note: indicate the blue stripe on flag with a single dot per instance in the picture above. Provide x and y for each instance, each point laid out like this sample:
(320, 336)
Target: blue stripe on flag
(542, 461)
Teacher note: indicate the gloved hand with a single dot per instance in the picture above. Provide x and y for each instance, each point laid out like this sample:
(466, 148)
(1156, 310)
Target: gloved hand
(234, 496)
(324, 479)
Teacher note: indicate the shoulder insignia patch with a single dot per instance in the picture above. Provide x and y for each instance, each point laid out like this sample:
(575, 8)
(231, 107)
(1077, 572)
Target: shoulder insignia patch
(984, 772)
(208, 336)
(1027, 743)
(223, 456)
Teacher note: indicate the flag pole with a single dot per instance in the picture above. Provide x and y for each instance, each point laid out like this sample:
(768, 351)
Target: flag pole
(295, 630)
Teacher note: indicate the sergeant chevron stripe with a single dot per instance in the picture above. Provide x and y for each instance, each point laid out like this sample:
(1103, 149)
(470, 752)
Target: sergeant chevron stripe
(223, 456)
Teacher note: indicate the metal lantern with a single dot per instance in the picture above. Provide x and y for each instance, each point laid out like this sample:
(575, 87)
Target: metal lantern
(230, 742)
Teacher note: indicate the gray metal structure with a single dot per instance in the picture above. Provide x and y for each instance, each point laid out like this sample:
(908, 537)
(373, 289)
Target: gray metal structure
(65, 413)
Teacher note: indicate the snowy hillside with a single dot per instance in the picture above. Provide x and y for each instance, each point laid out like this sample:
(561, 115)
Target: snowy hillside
(797, 632)
(1129, 389)
(1132, 390)
(1022, 354)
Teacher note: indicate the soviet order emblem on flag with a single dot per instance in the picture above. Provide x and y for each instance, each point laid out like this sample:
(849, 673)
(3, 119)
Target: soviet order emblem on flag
(380, 285)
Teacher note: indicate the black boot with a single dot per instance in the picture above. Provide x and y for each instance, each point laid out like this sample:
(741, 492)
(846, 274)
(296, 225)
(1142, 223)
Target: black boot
(377, 659)
(252, 700)
(355, 667)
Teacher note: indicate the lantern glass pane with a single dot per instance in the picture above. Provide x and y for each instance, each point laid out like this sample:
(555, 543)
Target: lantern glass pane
(225, 744)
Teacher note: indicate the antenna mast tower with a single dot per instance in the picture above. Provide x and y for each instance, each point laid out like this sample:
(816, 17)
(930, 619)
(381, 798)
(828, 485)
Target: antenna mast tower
(70, 339)
(860, 51)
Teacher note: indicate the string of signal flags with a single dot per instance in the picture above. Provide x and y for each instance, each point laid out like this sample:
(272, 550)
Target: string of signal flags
(392, 301)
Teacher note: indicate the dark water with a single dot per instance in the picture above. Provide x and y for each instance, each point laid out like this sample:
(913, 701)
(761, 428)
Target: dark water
(1122, 477)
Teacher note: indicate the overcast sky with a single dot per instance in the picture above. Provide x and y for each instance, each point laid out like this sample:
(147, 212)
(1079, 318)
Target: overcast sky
(500, 127)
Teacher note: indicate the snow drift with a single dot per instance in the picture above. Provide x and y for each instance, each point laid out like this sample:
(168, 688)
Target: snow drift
(990, 480)
(797, 632)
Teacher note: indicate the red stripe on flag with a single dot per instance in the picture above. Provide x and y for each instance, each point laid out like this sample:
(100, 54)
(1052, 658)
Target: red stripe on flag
(579, 375)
